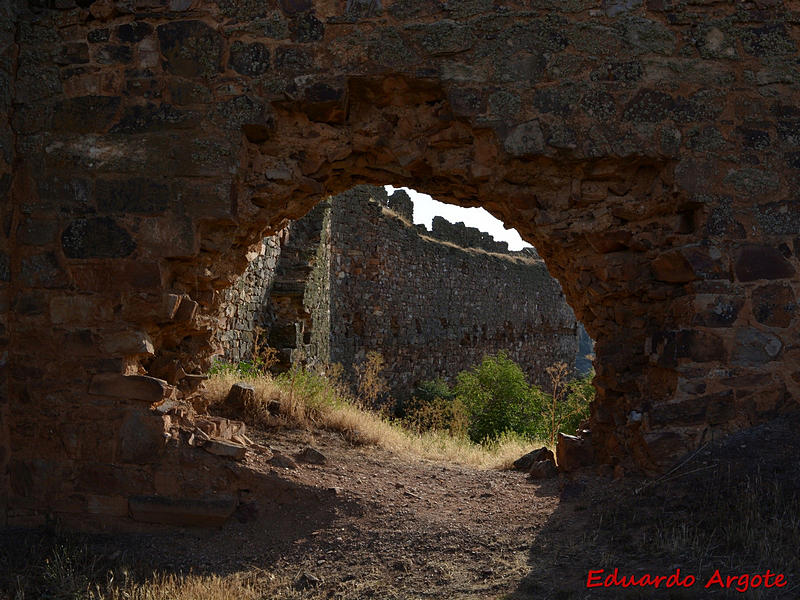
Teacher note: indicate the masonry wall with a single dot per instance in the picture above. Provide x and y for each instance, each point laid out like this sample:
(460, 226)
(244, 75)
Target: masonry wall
(297, 306)
(7, 67)
(433, 308)
(245, 304)
(355, 275)
(649, 150)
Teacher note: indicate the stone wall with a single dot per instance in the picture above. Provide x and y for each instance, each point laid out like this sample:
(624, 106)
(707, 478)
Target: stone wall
(353, 277)
(433, 308)
(649, 150)
(244, 308)
(8, 54)
(466, 237)
(299, 301)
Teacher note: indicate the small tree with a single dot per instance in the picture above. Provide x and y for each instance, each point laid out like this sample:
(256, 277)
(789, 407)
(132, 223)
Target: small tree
(498, 399)
(568, 404)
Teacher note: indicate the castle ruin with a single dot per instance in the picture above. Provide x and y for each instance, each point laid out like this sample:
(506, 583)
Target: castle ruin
(354, 276)
(648, 149)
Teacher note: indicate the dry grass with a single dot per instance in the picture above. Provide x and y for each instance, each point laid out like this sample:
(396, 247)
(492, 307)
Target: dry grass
(239, 586)
(310, 401)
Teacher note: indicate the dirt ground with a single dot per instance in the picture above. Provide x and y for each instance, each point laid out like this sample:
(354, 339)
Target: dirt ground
(369, 524)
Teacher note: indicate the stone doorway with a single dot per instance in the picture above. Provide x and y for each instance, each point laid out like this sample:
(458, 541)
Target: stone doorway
(142, 160)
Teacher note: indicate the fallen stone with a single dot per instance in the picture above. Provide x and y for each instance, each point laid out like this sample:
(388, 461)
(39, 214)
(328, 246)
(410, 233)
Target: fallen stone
(543, 469)
(201, 512)
(130, 387)
(311, 456)
(282, 461)
(225, 448)
(305, 581)
(573, 452)
(239, 396)
(219, 427)
(524, 463)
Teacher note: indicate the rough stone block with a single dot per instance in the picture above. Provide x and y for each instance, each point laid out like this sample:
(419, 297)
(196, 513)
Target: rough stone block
(525, 140)
(225, 449)
(543, 469)
(96, 237)
(311, 456)
(191, 48)
(127, 343)
(187, 308)
(239, 396)
(753, 347)
(524, 463)
(762, 262)
(673, 267)
(573, 452)
(774, 305)
(142, 438)
(78, 309)
(131, 387)
(249, 59)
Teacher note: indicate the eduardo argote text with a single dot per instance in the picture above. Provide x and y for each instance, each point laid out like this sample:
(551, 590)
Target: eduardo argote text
(600, 578)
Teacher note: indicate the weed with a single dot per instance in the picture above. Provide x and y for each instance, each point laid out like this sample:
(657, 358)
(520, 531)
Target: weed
(309, 400)
(567, 404)
(372, 387)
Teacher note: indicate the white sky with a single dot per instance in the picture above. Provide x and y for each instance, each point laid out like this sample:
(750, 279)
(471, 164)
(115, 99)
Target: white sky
(425, 208)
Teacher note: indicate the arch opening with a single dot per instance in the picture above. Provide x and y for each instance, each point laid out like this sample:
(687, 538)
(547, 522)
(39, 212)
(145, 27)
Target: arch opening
(594, 221)
(355, 275)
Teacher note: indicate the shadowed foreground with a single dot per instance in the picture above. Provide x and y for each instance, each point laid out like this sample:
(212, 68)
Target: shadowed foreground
(385, 526)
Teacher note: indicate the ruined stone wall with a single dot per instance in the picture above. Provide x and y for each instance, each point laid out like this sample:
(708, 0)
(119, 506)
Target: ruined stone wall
(244, 307)
(297, 324)
(8, 54)
(649, 150)
(432, 303)
(432, 308)
(466, 237)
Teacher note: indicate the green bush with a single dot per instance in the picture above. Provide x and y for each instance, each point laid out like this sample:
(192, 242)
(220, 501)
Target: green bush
(428, 391)
(498, 399)
(580, 394)
(245, 369)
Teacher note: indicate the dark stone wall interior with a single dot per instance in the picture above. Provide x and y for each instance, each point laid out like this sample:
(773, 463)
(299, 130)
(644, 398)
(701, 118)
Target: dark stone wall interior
(648, 149)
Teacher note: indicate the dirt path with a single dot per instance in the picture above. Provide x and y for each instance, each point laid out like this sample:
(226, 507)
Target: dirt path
(370, 524)
(386, 527)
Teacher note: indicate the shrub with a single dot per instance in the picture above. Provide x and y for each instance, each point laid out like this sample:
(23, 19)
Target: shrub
(498, 399)
(245, 369)
(372, 387)
(435, 407)
(264, 358)
(428, 391)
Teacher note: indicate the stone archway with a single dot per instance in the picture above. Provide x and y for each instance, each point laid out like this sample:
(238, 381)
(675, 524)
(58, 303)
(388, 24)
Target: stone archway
(149, 149)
